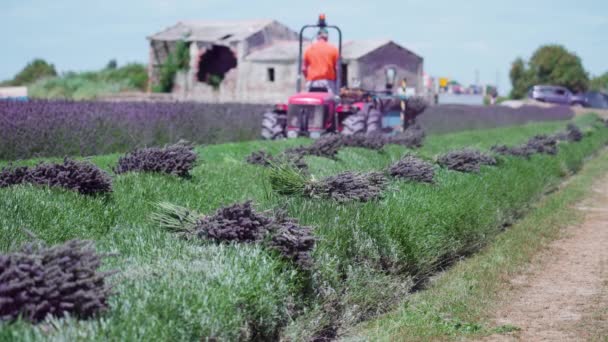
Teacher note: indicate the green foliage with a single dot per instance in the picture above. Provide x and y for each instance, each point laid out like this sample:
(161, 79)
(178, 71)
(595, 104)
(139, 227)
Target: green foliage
(551, 65)
(182, 55)
(34, 71)
(177, 60)
(175, 218)
(91, 84)
(599, 83)
(286, 179)
(166, 76)
(135, 74)
(214, 81)
(520, 79)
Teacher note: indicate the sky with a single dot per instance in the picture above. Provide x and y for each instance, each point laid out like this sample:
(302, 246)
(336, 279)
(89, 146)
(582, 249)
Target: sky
(462, 40)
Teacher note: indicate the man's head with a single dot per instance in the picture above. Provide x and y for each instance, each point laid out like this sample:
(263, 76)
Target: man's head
(323, 34)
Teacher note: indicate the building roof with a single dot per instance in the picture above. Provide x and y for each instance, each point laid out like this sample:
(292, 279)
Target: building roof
(288, 50)
(212, 31)
(283, 51)
(359, 48)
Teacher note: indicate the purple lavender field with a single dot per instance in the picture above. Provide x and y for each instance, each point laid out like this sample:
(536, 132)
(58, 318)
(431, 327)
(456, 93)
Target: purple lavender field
(457, 118)
(41, 128)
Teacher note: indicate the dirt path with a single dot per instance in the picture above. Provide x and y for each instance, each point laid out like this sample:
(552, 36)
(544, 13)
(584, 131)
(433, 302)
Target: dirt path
(564, 295)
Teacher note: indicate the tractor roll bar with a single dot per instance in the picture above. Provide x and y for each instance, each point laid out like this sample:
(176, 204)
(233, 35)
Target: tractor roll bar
(321, 24)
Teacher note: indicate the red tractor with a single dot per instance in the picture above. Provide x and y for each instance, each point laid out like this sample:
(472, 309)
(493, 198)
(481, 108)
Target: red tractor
(317, 111)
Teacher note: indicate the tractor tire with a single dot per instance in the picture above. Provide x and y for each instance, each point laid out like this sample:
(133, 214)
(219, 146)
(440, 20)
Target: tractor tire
(271, 127)
(354, 124)
(374, 121)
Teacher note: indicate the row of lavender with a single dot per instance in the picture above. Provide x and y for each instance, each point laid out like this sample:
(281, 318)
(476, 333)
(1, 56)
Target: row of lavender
(41, 128)
(457, 118)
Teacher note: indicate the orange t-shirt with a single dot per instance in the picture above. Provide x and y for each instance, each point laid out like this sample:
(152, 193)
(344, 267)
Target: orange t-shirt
(320, 59)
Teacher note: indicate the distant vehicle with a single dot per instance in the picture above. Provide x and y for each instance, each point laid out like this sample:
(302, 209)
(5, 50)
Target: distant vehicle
(596, 99)
(557, 95)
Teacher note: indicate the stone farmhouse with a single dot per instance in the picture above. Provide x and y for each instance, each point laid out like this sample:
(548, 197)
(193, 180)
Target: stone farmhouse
(255, 61)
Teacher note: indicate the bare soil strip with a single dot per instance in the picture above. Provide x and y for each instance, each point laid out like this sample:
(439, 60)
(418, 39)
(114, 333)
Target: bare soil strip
(563, 296)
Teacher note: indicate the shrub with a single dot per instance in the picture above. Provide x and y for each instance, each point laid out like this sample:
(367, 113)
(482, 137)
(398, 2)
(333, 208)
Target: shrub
(177, 159)
(135, 74)
(91, 84)
(37, 282)
(599, 83)
(176, 61)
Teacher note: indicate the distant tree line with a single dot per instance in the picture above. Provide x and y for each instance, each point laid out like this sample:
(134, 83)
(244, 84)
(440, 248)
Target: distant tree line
(553, 65)
(43, 80)
(33, 71)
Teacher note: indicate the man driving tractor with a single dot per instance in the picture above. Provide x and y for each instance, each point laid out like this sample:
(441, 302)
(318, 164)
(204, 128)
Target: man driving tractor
(326, 107)
(320, 62)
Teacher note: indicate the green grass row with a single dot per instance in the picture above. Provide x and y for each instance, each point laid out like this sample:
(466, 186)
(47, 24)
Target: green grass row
(462, 302)
(368, 257)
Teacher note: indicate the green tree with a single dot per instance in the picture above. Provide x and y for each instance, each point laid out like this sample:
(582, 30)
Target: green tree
(520, 79)
(33, 71)
(112, 65)
(599, 83)
(550, 64)
(553, 64)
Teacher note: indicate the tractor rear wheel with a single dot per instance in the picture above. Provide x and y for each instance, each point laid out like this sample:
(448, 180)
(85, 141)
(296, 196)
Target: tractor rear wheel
(354, 124)
(374, 121)
(271, 127)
